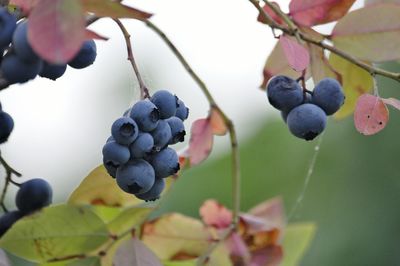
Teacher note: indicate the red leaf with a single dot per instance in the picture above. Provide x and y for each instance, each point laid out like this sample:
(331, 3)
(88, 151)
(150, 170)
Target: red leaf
(89, 34)
(297, 56)
(371, 114)
(56, 29)
(217, 123)
(314, 12)
(393, 102)
(272, 14)
(237, 247)
(201, 141)
(25, 5)
(270, 256)
(215, 214)
(113, 9)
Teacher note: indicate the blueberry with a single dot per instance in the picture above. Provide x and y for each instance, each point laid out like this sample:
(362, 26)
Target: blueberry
(52, 71)
(21, 45)
(306, 121)
(135, 177)
(161, 135)
(177, 130)
(86, 55)
(284, 115)
(145, 114)
(8, 219)
(110, 138)
(165, 162)
(182, 112)
(284, 93)
(33, 195)
(111, 167)
(142, 145)
(124, 130)
(8, 23)
(6, 126)
(155, 191)
(115, 153)
(307, 99)
(166, 102)
(17, 71)
(328, 95)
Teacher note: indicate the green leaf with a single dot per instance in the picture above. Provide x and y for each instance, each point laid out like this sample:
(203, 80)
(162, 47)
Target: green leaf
(113, 9)
(99, 188)
(134, 252)
(376, 39)
(55, 232)
(180, 263)
(296, 241)
(91, 261)
(355, 80)
(128, 218)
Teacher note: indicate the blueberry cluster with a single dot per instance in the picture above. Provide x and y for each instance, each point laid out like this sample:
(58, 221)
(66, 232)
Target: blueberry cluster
(31, 196)
(137, 153)
(305, 112)
(6, 125)
(20, 63)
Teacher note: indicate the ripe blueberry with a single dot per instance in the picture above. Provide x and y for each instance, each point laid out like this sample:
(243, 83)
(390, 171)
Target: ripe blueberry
(155, 191)
(6, 126)
(142, 145)
(16, 70)
(328, 95)
(33, 195)
(182, 112)
(124, 130)
(161, 135)
(145, 114)
(166, 102)
(177, 129)
(85, 56)
(165, 162)
(52, 71)
(115, 153)
(284, 93)
(135, 177)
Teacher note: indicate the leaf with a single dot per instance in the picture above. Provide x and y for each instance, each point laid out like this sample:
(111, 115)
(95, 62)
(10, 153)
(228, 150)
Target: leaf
(297, 56)
(320, 67)
(56, 29)
(218, 124)
(272, 14)
(296, 242)
(277, 65)
(372, 2)
(180, 263)
(89, 34)
(99, 188)
(371, 114)
(314, 12)
(216, 215)
(376, 40)
(237, 247)
(269, 256)
(128, 218)
(175, 234)
(113, 9)
(201, 141)
(55, 232)
(90, 261)
(134, 252)
(355, 81)
(393, 102)
(25, 5)
(272, 212)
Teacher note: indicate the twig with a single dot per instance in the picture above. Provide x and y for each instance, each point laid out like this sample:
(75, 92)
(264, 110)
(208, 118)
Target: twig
(320, 43)
(9, 172)
(144, 92)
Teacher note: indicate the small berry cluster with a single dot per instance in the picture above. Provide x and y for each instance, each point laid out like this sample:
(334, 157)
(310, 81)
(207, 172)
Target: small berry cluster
(305, 112)
(6, 125)
(20, 63)
(31, 196)
(137, 153)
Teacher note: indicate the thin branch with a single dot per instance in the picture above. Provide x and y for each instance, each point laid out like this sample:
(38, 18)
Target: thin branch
(9, 173)
(144, 92)
(320, 43)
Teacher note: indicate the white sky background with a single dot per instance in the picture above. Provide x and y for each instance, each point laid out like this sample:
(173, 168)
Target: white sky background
(60, 127)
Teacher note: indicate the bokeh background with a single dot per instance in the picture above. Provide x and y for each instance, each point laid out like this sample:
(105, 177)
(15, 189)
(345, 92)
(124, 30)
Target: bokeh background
(353, 194)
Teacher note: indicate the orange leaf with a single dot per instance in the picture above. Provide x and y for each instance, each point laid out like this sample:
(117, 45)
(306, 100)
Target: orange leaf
(215, 214)
(217, 123)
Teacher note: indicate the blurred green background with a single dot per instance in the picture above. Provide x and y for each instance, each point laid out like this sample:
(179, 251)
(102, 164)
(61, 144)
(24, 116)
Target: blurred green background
(353, 195)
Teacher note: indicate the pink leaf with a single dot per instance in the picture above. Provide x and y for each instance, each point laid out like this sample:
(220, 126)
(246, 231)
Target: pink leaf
(371, 114)
(237, 246)
(272, 14)
(314, 12)
(89, 34)
(253, 223)
(272, 212)
(297, 56)
(25, 5)
(201, 141)
(56, 29)
(270, 256)
(393, 102)
(215, 214)
(135, 252)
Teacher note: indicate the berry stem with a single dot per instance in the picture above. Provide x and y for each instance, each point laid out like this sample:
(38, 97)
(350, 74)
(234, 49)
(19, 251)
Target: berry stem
(144, 92)
(295, 31)
(9, 172)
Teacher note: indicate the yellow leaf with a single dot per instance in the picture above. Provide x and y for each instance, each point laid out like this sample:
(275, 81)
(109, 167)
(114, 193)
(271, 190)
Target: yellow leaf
(355, 80)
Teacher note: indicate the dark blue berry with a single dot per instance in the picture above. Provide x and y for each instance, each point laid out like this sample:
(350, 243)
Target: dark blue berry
(115, 153)
(8, 219)
(328, 95)
(124, 130)
(182, 112)
(52, 71)
(143, 144)
(165, 162)
(177, 130)
(306, 121)
(146, 115)
(6, 126)
(166, 103)
(155, 191)
(16, 70)
(284, 93)
(135, 177)
(86, 55)
(111, 168)
(161, 135)
(8, 23)
(33, 195)
(21, 45)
